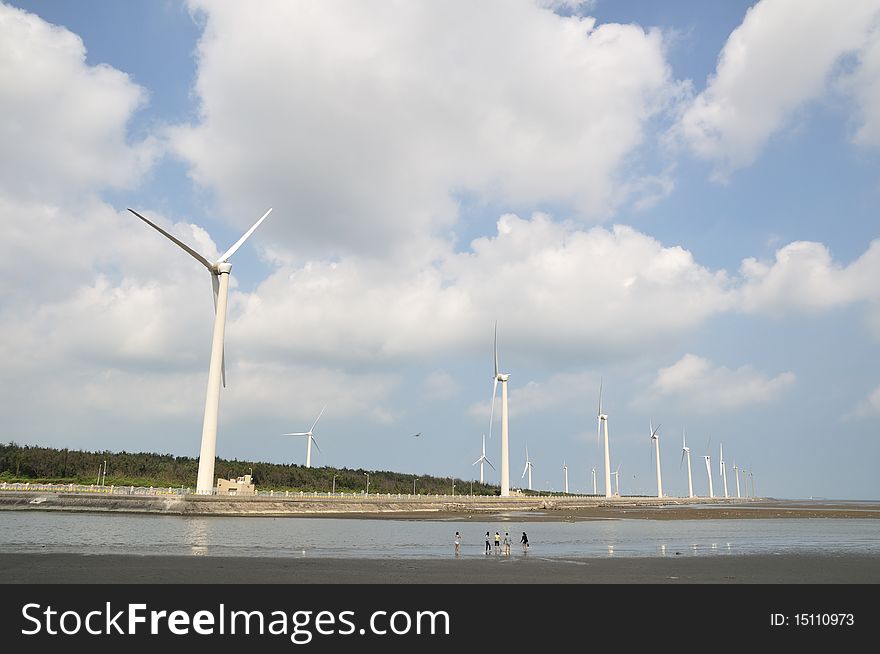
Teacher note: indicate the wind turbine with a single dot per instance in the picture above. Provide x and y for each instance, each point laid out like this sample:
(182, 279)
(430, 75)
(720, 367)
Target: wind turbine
(736, 474)
(505, 459)
(603, 419)
(709, 470)
(594, 482)
(723, 470)
(656, 439)
(685, 450)
(483, 460)
(528, 468)
(310, 438)
(220, 271)
(565, 470)
(616, 474)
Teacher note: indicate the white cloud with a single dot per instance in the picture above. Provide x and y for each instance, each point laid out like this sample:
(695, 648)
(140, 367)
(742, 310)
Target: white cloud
(64, 122)
(776, 61)
(566, 389)
(702, 387)
(804, 277)
(364, 125)
(557, 291)
(867, 408)
(864, 85)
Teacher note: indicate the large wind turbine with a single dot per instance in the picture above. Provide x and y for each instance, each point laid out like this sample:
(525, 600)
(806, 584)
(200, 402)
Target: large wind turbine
(483, 460)
(723, 470)
(528, 468)
(708, 459)
(685, 450)
(565, 470)
(656, 439)
(603, 419)
(310, 438)
(736, 474)
(219, 270)
(505, 459)
(616, 474)
(594, 482)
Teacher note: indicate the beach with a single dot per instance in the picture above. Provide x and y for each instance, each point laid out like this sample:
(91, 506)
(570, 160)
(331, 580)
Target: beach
(518, 569)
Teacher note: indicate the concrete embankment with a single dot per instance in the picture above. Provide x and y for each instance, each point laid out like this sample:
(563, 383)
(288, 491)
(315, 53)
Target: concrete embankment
(292, 505)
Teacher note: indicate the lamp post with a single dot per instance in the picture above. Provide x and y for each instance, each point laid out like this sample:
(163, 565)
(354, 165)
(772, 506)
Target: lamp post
(334, 485)
(368, 482)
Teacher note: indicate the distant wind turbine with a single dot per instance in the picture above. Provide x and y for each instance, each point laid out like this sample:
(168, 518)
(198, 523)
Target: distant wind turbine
(709, 470)
(686, 451)
(616, 474)
(656, 439)
(565, 470)
(594, 482)
(528, 468)
(220, 271)
(310, 438)
(603, 420)
(736, 474)
(505, 459)
(483, 460)
(723, 470)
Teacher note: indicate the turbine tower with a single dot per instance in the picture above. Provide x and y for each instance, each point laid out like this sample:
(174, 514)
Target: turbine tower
(709, 471)
(565, 470)
(505, 459)
(594, 482)
(483, 460)
(656, 439)
(220, 271)
(723, 470)
(603, 420)
(685, 450)
(736, 474)
(310, 438)
(528, 468)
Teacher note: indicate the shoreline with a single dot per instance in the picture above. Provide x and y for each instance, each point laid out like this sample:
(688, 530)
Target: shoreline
(53, 568)
(402, 507)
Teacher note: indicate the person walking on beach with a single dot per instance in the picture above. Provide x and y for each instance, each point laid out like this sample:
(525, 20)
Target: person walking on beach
(457, 544)
(497, 543)
(525, 542)
(506, 544)
(488, 543)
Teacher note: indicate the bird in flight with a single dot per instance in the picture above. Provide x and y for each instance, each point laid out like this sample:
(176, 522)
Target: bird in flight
(417, 435)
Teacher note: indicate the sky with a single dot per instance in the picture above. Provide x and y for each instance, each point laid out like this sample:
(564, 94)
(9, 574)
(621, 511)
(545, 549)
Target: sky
(676, 199)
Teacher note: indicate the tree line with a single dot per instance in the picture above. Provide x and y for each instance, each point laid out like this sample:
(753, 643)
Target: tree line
(51, 465)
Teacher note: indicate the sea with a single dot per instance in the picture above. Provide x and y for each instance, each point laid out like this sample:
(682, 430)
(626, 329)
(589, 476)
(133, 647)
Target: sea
(95, 533)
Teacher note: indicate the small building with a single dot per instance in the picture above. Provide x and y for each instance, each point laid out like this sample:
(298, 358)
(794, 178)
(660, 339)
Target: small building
(236, 486)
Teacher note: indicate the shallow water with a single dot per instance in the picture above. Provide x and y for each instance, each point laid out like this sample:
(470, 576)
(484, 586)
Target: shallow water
(32, 531)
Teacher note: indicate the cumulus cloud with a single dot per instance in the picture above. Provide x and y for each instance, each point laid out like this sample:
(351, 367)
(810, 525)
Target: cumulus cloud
(566, 390)
(563, 291)
(804, 277)
(365, 126)
(776, 61)
(867, 408)
(703, 387)
(64, 121)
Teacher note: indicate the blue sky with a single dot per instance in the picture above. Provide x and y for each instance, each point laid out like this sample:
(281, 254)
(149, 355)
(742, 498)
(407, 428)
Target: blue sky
(678, 198)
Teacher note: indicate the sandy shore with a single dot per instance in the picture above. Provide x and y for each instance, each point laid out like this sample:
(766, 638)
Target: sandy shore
(519, 569)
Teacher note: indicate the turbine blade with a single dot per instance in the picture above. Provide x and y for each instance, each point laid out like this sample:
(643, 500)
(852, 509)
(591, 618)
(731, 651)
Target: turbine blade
(492, 412)
(225, 256)
(316, 444)
(195, 255)
(598, 434)
(490, 464)
(477, 461)
(317, 419)
(681, 463)
(299, 433)
(496, 348)
(600, 396)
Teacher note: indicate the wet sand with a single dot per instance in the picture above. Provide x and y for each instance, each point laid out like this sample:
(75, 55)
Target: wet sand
(518, 569)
